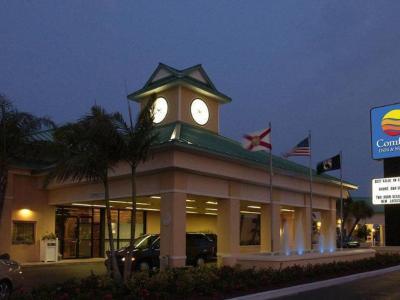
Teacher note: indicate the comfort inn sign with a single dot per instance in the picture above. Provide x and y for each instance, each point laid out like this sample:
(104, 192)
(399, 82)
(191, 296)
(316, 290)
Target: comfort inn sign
(385, 131)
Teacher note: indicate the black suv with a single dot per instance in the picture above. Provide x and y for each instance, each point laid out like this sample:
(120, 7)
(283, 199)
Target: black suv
(200, 248)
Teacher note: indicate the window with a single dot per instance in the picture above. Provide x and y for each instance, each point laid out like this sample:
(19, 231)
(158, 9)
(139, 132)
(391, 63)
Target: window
(249, 229)
(23, 232)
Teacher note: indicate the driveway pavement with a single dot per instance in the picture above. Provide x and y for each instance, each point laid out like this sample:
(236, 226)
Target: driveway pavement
(383, 287)
(35, 275)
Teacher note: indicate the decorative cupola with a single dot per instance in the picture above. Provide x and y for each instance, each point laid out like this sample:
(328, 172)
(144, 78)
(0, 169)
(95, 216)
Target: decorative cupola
(183, 95)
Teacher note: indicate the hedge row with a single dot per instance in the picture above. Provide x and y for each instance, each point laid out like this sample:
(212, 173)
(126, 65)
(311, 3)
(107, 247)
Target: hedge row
(202, 283)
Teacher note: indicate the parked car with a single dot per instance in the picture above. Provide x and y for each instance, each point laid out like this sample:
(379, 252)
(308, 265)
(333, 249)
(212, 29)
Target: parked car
(10, 276)
(348, 243)
(200, 248)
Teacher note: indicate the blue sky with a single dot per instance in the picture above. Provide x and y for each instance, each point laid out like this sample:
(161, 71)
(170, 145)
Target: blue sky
(303, 65)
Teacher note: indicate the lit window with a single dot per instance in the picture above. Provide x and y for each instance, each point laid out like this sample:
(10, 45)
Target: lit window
(23, 232)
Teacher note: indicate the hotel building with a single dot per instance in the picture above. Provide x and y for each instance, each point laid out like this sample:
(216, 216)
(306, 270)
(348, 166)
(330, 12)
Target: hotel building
(195, 181)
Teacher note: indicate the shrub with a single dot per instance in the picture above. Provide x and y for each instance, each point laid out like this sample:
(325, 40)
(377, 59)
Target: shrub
(201, 283)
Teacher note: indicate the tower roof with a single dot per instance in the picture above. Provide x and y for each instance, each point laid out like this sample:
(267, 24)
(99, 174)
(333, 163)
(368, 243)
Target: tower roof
(165, 76)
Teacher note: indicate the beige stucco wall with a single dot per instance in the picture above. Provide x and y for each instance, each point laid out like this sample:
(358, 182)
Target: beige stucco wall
(179, 99)
(27, 201)
(187, 97)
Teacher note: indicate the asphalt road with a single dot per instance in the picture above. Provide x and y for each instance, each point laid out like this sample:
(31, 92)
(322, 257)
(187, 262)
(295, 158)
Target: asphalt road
(384, 287)
(42, 274)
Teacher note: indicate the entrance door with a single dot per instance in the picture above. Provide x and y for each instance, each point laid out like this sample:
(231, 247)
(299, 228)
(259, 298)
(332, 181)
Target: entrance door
(70, 249)
(85, 237)
(77, 237)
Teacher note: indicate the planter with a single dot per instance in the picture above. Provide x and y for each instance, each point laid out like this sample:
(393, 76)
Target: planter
(49, 250)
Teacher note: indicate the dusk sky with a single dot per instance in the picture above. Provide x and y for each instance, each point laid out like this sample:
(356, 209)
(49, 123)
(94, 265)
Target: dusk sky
(303, 65)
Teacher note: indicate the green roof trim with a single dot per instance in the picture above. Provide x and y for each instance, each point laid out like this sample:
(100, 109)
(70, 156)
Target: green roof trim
(204, 140)
(199, 139)
(179, 77)
(378, 209)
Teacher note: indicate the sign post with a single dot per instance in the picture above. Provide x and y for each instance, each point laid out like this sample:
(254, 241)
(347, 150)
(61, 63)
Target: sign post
(385, 145)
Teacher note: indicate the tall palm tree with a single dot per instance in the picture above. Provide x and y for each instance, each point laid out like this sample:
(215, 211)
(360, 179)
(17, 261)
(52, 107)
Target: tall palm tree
(359, 210)
(16, 144)
(137, 140)
(88, 150)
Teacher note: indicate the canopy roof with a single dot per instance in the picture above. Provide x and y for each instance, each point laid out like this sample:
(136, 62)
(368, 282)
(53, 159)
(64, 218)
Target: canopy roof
(187, 136)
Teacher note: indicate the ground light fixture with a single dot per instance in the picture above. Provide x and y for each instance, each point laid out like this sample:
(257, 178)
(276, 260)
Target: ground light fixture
(155, 197)
(191, 207)
(210, 208)
(210, 213)
(190, 200)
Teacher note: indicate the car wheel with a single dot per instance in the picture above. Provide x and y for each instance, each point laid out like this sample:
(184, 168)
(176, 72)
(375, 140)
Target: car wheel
(144, 266)
(200, 262)
(5, 290)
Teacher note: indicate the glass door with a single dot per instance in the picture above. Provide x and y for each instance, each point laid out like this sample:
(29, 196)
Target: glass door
(85, 237)
(70, 249)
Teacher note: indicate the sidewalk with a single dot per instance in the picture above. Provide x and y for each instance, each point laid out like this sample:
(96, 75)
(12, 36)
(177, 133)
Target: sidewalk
(333, 283)
(64, 262)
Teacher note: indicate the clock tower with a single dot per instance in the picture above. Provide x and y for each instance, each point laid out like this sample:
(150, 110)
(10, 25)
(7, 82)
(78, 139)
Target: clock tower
(186, 95)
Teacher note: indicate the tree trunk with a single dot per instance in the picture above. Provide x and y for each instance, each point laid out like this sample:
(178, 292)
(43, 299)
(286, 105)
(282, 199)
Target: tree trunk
(3, 187)
(128, 258)
(114, 266)
(352, 228)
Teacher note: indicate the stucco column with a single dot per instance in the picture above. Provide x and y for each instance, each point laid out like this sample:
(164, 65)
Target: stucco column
(228, 231)
(265, 228)
(276, 226)
(328, 229)
(173, 229)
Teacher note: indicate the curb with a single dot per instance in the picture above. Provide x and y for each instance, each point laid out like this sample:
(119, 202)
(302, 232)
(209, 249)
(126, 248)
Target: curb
(60, 263)
(315, 285)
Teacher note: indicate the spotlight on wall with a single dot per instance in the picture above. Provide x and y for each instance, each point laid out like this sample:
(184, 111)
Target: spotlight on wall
(191, 207)
(155, 197)
(190, 200)
(209, 208)
(25, 213)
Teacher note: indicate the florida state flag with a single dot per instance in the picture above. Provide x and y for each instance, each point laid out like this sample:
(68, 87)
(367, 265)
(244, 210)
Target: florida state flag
(256, 141)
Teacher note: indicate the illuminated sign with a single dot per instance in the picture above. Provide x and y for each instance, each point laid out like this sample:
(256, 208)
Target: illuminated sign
(385, 131)
(386, 191)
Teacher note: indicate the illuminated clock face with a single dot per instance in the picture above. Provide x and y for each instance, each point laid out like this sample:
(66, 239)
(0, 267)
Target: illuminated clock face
(160, 109)
(199, 111)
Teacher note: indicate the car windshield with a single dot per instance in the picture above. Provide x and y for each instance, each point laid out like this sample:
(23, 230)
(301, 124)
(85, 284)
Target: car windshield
(144, 242)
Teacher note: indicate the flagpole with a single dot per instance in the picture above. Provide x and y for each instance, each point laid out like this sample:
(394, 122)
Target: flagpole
(270, 191)
(341, 203)
(311, 191)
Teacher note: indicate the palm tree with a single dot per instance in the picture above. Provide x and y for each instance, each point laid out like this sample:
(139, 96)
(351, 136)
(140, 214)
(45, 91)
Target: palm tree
(87, 150)
(359, 210)
(137, 140)
(16, 144)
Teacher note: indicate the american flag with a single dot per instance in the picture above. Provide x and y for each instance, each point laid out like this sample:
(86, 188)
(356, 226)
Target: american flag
(301, 149)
